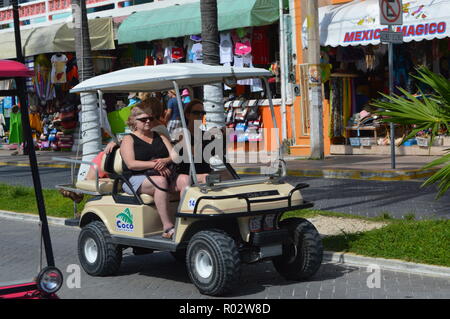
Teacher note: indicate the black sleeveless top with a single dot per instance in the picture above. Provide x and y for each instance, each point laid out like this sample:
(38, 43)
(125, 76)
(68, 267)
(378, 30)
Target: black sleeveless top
(144, 151)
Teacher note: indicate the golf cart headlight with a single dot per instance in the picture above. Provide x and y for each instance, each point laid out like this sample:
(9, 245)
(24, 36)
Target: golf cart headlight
(49, 280)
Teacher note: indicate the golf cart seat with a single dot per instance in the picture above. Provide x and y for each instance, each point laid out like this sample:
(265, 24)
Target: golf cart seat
(105, 185)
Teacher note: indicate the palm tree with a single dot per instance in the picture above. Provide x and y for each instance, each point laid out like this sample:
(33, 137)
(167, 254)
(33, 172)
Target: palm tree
(90, 130)
(424, 112)
(212, 94)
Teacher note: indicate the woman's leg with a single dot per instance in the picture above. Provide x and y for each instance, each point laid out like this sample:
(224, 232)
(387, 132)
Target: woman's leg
(161, 199)
(183, 181)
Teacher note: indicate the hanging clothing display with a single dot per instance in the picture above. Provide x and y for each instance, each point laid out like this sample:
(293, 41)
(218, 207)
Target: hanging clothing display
(226, 48)
(196, 53)
(342, 103)
(58, 74)
(43, 86)
(15, 127)
(336, 122)
(2, 125)
(35, 122)
(260, 45)
(246, 62)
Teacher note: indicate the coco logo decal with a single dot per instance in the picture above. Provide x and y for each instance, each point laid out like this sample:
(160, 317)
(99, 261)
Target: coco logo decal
(124, 221)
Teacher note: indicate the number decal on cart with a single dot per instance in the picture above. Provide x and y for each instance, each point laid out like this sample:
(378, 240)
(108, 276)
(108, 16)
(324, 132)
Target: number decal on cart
(191, 203)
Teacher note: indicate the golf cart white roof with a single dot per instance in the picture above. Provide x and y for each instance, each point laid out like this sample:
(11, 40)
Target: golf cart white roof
(161, 77)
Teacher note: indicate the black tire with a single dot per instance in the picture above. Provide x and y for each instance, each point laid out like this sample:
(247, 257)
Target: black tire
(215, 251)
(302, 255)
(97, 254)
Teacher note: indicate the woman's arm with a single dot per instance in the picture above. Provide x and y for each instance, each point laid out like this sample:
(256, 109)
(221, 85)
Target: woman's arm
(127, 152)
(162, 162)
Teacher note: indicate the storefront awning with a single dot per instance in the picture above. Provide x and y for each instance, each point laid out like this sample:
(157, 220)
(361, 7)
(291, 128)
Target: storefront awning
(181, 20)
(58, 38)
(358, 22)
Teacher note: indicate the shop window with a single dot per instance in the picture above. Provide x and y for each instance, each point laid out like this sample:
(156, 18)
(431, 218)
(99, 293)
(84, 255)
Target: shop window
(101, 8)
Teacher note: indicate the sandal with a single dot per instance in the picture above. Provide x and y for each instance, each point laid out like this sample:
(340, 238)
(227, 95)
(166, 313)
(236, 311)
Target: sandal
(168, 233)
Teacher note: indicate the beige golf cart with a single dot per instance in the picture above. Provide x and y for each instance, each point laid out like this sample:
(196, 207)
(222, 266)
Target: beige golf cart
(219, 225)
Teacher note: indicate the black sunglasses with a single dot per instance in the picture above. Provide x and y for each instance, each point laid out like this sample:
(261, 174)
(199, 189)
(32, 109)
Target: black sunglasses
(145, 119)
(198, 113)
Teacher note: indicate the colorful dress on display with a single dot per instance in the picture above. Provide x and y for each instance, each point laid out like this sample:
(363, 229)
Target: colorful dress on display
(15, 128)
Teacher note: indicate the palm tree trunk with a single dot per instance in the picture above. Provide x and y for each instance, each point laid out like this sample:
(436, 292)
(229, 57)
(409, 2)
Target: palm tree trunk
(212, 94)
(90, 130)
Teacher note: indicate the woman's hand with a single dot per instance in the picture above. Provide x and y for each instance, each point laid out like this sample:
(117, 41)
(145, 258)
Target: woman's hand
(110, 147)
(165, 172)
(161, 163)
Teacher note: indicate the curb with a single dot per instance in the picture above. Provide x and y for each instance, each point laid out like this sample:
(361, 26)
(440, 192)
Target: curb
(44, 164)
(328, 256)
(371, 175)
(386, 264)
(31, 217)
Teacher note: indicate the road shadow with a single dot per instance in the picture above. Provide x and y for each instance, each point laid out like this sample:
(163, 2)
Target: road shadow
(370, 198)
(255, 279)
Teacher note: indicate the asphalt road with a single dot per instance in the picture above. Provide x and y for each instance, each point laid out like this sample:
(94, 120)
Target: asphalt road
(358, 197)
(158, 276)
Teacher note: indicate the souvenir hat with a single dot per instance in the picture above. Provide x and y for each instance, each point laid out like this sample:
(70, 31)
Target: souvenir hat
(185, 92)
(242, 48)
(196, 38)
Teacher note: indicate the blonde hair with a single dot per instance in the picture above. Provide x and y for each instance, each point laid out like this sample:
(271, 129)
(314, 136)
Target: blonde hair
(143, 96)
(151, 106)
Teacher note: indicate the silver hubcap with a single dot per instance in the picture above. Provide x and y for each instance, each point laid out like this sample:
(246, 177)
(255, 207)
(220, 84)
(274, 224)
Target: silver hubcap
(90, 250)
(203, 264)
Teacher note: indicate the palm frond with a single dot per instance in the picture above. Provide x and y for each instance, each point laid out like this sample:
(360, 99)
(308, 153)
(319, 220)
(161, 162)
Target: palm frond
(424, 113)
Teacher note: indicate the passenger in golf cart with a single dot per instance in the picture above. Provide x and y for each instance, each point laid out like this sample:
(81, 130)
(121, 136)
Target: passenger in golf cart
(142, 151)
(96, 171)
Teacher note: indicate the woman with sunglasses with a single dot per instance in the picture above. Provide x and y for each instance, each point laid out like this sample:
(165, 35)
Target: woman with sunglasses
(194, 113)
(144, 150)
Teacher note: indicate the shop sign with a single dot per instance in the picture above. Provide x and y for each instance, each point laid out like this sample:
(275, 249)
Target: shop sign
(391, 37)
(415, 30)
(391, 12)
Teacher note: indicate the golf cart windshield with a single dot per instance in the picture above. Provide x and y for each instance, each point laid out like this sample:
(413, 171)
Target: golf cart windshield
(178, 76)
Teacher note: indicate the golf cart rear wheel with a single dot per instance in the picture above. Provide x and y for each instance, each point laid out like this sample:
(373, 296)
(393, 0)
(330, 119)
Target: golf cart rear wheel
(302, 255)
(213, 262)
(98, 255)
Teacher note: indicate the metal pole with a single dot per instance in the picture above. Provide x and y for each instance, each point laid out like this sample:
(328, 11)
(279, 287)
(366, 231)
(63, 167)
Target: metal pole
(21, 87)
(186, 134)
(391, 92)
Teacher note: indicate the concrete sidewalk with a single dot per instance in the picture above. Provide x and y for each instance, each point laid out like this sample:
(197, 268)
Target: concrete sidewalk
(366, 167)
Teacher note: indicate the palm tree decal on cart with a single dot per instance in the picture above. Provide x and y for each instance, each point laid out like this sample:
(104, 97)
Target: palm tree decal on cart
(126, 216)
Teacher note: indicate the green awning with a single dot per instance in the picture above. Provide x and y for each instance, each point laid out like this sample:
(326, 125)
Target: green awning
(181, 20)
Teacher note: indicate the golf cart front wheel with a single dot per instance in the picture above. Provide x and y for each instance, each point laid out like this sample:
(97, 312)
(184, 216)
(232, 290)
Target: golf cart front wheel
(98, 255)
(302, 254)
(213, 262)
